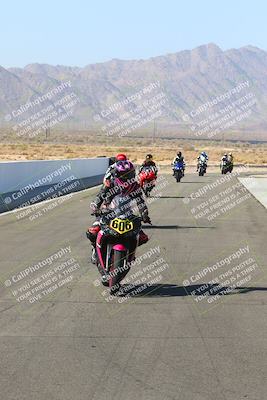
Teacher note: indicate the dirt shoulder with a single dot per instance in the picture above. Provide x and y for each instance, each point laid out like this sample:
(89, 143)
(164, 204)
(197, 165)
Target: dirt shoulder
(163, 154)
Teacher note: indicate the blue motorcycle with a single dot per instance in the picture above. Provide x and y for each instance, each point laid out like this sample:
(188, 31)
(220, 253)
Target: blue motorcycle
(178, 170)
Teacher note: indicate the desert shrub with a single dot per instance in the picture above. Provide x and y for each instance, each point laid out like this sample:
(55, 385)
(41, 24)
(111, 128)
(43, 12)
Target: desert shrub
(69, 150)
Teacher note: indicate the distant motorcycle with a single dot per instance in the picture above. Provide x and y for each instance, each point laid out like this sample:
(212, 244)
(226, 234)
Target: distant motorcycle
(202, 168)
(116, 243)
(226, 166)
(147, 178)
(178, 169)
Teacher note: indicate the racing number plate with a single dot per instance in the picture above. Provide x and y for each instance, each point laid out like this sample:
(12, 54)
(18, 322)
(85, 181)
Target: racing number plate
(121, 225)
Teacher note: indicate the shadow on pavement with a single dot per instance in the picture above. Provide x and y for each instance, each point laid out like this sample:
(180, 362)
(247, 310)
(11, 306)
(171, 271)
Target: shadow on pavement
(193, 182)
(176, 197)
(169, 197)
(171, 290)
(176, 227)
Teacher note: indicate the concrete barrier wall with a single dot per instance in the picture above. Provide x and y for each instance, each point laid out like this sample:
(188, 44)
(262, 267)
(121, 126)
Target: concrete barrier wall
(24, 183)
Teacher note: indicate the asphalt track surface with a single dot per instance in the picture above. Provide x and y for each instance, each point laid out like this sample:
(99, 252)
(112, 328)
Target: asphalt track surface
(159, 344)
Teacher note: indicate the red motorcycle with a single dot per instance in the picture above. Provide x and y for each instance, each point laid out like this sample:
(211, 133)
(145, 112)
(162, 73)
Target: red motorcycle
(147, 178)
(116, 242)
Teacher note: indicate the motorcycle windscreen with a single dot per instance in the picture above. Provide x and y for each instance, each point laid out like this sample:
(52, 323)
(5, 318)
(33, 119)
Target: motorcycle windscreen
(122, 206)
(149, 169)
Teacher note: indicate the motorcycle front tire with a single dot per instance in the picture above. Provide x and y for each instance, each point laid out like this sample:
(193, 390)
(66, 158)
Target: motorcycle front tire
(117, 264)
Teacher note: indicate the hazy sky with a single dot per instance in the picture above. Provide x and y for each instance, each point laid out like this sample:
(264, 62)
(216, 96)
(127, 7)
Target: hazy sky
(81, 32)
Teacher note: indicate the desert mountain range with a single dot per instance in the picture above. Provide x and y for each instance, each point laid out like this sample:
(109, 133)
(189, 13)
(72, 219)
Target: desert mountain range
(188, 79)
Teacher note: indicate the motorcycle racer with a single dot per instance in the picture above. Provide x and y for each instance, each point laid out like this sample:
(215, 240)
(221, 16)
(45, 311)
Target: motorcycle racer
(203, 157)
(225, 158)
(231, 158)
(111, 169)
(148, 162)
(123, 182)
(179, 158)
(148, 173)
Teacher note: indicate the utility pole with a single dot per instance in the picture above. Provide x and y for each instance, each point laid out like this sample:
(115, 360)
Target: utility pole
(154, 132)
(47, 129)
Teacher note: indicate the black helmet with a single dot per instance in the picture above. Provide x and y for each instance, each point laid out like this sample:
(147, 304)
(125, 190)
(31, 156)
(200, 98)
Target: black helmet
(112, 160)
(149, 157)
(179, 154)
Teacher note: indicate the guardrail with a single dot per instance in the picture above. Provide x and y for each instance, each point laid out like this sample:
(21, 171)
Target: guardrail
(24, 183)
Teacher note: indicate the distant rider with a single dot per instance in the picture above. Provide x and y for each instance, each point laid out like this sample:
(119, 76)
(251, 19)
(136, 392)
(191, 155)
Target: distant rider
(203, 157)
(231, 158)
(231, 162)
(178, 159)
(224, 158)
(123, 182)
(149, 163)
